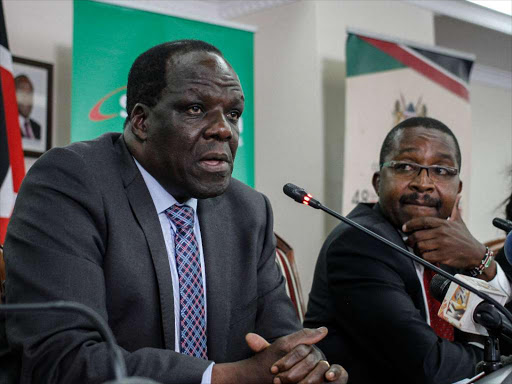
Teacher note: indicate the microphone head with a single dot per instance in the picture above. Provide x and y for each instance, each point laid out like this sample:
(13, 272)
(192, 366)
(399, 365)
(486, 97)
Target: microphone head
(296, 193)
(505, 225)
(508, 248)
(439, 287)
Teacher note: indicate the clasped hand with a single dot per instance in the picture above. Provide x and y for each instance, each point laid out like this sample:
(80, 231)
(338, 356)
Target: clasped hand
(294, 358)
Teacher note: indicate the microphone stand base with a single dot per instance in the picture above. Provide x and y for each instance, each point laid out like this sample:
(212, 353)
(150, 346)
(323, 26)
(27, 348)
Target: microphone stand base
(492, 355)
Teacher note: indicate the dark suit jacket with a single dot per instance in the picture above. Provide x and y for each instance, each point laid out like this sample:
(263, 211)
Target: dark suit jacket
(370, 298)
(36, 129)
(85, 229)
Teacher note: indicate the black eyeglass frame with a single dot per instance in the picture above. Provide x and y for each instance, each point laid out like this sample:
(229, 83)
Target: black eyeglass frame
(451, 171)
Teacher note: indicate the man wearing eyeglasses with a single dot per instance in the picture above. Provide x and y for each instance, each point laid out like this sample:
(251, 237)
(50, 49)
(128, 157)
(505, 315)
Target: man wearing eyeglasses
(382, 321)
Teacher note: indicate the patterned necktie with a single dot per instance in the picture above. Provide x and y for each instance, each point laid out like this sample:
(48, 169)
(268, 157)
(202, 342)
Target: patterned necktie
(188, 264)
(441, 327)
(28, 129)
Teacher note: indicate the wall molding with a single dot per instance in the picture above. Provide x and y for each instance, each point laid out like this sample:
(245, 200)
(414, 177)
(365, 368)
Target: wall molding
(469, 12)
(210, 11)
(494, 77)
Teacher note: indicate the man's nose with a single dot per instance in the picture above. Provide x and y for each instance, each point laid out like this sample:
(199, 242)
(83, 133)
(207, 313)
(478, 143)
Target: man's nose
(219, 128)
(422, 181)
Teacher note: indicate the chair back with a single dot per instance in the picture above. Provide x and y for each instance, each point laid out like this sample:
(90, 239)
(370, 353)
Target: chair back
(286, 261)
(495, 245)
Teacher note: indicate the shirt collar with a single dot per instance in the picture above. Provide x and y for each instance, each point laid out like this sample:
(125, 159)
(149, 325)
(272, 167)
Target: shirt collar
(161, 198)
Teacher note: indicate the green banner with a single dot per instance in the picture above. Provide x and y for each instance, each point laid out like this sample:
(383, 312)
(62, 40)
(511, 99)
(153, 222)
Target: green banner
(106, 41)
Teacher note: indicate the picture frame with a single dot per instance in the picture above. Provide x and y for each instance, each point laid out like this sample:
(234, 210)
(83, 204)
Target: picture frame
(33, 82)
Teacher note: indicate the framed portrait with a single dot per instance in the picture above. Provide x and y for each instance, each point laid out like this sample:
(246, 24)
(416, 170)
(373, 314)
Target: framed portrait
(33, 81)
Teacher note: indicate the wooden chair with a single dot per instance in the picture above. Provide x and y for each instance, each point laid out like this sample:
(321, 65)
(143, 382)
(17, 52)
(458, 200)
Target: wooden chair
(2, 274)
(495, 245)
(286, 261)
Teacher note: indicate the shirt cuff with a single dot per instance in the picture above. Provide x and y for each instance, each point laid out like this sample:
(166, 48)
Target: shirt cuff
(207, 375)
(501, 282)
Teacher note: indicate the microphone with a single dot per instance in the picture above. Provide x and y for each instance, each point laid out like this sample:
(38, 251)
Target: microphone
(118, 363)
(301, 196)
(468, 312)
(505, 225)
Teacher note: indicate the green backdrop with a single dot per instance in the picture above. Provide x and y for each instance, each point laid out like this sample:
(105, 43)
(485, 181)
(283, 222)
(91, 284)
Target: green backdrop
(106, 41)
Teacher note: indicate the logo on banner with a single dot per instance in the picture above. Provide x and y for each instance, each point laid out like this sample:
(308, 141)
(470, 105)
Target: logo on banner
(405, 110)
(96, 115)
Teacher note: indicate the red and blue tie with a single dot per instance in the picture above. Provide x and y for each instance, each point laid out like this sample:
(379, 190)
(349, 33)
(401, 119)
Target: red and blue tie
(188, 264)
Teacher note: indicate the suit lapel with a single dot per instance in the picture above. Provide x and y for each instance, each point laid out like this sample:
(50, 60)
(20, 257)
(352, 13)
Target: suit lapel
(218, 274)
(385, 227)
(146, 215)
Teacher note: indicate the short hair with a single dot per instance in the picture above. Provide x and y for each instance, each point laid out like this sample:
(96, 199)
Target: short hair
(413, 122)
(23, 77)
(147, 76)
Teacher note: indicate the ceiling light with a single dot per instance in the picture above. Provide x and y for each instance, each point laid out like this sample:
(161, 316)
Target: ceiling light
(502, 6)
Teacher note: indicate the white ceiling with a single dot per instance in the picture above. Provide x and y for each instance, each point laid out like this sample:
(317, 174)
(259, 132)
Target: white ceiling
(222, 11)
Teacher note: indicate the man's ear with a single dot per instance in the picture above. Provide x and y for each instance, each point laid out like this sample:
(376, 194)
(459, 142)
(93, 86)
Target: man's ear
(138, 121)
(376, 182)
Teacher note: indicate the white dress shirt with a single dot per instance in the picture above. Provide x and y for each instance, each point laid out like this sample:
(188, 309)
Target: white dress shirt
(162, 201)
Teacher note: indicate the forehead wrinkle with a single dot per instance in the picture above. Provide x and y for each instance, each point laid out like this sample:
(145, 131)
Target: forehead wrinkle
(209, 87)
(405, 150)
(220, 81)
(438, 155)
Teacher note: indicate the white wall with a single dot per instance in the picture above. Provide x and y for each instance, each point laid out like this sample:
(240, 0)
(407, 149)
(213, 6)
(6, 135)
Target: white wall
(491, 158)
(491, 128)
(392, 18)
(288, 123)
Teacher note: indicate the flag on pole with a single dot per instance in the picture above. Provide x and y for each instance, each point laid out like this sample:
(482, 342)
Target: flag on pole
(12, 166)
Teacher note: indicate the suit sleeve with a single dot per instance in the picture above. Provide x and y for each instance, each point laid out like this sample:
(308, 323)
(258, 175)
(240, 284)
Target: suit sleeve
(375, 310)
(54, 250)
(276, 315)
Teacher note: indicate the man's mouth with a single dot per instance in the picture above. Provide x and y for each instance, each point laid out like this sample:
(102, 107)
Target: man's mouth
(426, 201)
(215, 162)
(421, 204)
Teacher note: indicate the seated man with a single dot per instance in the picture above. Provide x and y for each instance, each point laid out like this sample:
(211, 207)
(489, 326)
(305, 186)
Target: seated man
(148, 229)
(374, 300)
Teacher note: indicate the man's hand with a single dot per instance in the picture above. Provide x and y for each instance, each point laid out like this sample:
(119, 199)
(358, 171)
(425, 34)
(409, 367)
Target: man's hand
(302, 362)
(290, 359)
(447, 242)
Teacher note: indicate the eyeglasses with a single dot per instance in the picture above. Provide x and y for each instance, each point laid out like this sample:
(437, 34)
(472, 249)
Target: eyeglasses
(438, 173)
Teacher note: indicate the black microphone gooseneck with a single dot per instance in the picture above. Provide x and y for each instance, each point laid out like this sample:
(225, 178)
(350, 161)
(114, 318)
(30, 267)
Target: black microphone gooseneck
(301, 196)
(66, 306)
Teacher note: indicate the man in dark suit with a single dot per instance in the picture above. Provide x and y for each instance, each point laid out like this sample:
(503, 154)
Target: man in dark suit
(30, 129)
(382, 323)
(148, 229)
